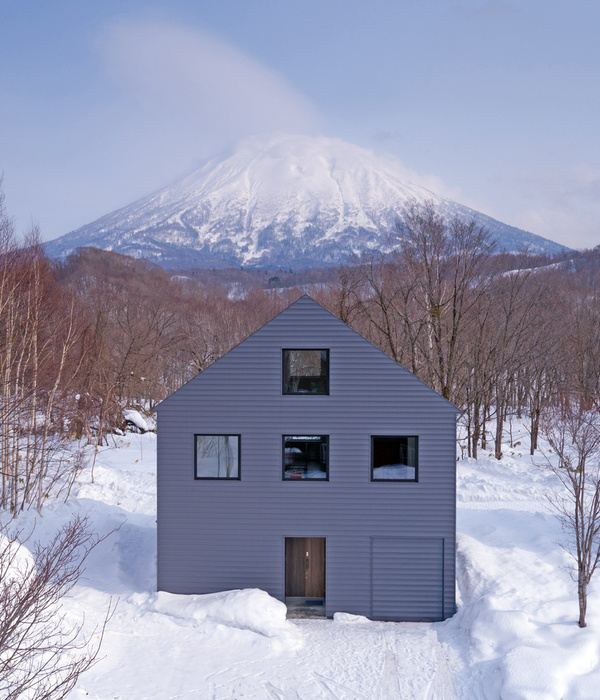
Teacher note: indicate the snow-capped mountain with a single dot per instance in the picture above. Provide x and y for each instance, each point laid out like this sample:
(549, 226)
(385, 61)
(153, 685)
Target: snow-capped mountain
(276, 201)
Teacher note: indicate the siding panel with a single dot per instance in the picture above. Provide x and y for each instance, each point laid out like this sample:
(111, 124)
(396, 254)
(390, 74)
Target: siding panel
(408, 578)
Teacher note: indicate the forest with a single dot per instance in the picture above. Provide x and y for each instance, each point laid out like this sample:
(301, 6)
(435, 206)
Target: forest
(499, 335)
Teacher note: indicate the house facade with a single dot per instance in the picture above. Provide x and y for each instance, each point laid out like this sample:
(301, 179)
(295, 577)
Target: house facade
(309, 464)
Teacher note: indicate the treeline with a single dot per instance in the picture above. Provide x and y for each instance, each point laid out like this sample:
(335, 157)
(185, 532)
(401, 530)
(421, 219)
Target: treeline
(498, 335)
(82, 340)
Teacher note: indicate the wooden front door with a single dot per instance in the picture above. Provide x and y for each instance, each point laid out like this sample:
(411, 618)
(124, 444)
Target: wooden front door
(305, 567)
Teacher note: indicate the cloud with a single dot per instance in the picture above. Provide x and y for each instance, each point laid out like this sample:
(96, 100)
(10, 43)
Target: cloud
(565, 205)
(439, 186)
(202, 82)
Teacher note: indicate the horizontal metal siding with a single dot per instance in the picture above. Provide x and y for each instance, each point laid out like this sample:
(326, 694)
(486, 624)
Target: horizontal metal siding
(408, 578)
(216, 535)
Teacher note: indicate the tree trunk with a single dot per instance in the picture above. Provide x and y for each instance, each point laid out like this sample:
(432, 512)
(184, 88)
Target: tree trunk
(476, 429)
(500, 409)
(582, 595)
(535, 429)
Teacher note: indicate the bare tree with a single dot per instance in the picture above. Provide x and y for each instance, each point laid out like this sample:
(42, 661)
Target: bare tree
(37, 336)
(447, 264)
(42, 654)
(573, 433)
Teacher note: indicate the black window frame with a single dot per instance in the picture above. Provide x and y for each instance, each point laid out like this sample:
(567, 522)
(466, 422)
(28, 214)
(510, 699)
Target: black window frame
(283, 477)
(283, 377)
(218, 478)
(395, 437)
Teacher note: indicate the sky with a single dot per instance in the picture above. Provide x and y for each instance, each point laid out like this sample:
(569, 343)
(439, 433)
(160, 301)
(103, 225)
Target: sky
(499, 101)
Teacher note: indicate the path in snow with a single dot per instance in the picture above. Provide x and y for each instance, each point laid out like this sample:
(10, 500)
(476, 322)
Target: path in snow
(356, 661)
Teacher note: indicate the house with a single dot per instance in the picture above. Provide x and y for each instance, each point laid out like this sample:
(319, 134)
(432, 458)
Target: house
(309, 464)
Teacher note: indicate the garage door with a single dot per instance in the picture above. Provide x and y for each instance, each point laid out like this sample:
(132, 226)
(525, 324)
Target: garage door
(407, 578)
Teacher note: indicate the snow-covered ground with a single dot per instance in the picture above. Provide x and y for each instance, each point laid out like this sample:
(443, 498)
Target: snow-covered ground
(514, 637)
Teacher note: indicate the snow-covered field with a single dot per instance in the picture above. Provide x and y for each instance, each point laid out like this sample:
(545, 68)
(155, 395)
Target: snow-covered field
(515, 635)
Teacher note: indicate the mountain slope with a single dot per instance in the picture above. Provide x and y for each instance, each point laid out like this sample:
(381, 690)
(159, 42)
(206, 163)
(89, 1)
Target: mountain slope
(278, 201)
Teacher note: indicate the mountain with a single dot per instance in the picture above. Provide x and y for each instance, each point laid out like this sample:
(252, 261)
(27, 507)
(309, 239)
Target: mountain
(276, 201)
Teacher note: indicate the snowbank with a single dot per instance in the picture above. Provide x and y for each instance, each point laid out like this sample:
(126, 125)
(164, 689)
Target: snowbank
(18, 564)
(137, 419)
(249, 609)
(348, 617)
(518, 603)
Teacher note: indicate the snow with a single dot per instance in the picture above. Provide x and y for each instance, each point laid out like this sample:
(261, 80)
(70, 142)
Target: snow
(249, 609)
(21, 564)
(394, 471)
(137, 419)
(514, 637)
(348, 617)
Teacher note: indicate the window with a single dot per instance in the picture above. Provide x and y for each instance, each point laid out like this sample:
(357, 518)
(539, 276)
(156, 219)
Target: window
(394, 458)
(306, 372)
(217, 456)
(305, 457)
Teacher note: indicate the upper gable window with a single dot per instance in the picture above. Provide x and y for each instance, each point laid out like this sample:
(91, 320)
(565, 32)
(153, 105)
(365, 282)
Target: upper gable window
(217, 456)
(394, 458)
(306, 372)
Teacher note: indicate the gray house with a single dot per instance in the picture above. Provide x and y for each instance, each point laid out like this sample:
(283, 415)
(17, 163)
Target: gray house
(309, 464)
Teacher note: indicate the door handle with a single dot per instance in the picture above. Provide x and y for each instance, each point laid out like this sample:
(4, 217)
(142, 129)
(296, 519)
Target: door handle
(306, 564)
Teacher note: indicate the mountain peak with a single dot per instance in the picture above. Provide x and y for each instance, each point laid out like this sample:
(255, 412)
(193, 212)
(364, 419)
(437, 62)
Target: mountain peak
(276, 201)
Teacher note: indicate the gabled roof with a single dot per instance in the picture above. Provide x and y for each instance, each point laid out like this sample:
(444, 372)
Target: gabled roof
(300, 309)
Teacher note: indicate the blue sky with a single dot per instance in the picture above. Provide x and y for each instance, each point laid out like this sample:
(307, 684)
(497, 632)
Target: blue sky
(105, 102)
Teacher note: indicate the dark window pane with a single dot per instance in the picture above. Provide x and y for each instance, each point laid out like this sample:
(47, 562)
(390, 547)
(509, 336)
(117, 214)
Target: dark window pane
(305, 457)
(217, 456)
(394, 458)
(305, 371)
